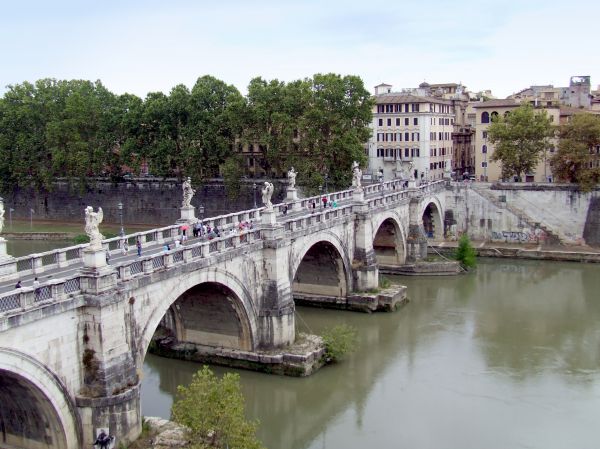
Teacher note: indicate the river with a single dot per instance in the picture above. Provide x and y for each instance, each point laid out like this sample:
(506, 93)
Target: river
(507, 357)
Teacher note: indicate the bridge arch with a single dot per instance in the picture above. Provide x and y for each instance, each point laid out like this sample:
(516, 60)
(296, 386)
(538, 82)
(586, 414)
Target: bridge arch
(389, 240)
(37, 410)
(432, 220)
(309, 253)
(210, 281)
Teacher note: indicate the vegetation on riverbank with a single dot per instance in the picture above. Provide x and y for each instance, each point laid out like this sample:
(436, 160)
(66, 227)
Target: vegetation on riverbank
(212, 409)
(75, 129)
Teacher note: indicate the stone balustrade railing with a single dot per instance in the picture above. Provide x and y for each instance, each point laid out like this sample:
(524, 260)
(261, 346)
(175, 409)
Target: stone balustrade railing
(56, 290)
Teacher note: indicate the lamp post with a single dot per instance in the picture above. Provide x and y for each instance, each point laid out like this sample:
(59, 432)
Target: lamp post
(321, 197)
(10, 211)
(326, 181)
(201, 211)
(381, 181)
(120, 209)
(31, 211)
(254, 190)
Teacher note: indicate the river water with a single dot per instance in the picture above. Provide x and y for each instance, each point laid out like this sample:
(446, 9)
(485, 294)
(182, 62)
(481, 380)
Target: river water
(507, 357)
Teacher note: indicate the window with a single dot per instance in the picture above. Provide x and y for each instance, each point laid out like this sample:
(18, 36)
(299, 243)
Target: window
(379, 152)
(406, 121)
(494, 115)
(397, 122)
(406, 136)
(484, 149)
(389, 122)
(380, 122)
(399, 137)
(485, 117)
(484, 134)
(406, 152)
(406, 107)
(484, 165)
(415, 121)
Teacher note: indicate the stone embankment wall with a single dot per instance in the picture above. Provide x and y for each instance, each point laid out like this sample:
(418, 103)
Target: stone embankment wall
(146, 200)
(524, 213)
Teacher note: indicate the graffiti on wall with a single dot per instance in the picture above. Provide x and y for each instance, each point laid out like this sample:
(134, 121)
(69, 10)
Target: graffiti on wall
(534, 236)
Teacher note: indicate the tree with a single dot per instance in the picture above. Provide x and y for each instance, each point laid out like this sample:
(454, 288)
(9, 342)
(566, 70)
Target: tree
(520, 138)
(577, 159)
(465, 253)
(213, 410)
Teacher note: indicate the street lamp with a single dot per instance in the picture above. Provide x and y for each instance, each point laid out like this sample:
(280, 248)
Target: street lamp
(484, 150)
(254, 190)
(321, 196)
(31, 212)
(381, 181)
(326, 180)
(10, 211)
(120, 209)
(201, 211)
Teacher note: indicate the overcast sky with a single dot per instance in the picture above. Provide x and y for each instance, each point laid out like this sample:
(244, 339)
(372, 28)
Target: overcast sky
(140, 46)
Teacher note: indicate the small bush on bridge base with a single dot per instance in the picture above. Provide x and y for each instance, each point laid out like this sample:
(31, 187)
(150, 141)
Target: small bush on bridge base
(465, 253)
(339, 341)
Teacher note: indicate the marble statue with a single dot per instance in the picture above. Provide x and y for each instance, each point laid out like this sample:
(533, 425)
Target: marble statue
(356, 175)
(267, 192)
(92, 221)
(188, 193)
(291, 174)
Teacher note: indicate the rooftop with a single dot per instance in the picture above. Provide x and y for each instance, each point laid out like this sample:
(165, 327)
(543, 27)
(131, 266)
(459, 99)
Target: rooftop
(505, 103)
(406, 98)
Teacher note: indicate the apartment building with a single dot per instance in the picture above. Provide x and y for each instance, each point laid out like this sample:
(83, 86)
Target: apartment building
(578, 94)
(481, 115)
(411, 132)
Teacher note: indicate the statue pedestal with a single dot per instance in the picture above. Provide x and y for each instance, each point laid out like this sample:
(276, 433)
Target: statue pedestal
(268, 217)
(412, 184)
(358, 194)
(292, 194)
(94, 259)
(6, 267)
(187, 215)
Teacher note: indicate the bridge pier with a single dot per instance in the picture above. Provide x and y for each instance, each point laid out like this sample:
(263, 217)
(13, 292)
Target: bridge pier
(276, 313)
(416, 241)
(365, 271)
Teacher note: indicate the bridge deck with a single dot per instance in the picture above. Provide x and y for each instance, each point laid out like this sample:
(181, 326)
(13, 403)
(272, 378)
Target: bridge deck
(375, 194)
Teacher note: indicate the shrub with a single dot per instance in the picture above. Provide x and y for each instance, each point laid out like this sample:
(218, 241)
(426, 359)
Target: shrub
(213, 410)
(465, 253)
(339, 341)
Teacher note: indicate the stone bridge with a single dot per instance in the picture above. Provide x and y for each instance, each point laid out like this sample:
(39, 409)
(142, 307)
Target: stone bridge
(72, 349)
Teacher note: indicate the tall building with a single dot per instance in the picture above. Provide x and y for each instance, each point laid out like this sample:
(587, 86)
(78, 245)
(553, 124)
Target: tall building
(412, 132)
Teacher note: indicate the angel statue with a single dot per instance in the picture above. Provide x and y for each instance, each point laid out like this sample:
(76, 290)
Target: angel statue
(1, 214)
(92, 221)
(267, 191)
(188, 193)
(291, 174)
(356, 175)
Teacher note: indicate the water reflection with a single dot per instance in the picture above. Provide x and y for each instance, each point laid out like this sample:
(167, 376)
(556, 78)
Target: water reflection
(505, 357)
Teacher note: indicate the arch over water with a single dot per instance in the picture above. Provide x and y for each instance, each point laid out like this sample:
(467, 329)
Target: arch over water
(389, 242)
(431, 220)
(321, 267)
(213, 293)
(36, 410)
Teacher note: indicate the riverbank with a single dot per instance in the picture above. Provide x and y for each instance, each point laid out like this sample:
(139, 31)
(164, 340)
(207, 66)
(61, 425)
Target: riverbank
(559, 253)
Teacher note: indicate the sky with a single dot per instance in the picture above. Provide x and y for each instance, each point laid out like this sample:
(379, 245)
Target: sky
(141, 46)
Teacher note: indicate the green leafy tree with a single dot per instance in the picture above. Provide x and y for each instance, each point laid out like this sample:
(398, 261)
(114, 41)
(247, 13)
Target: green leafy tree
(213, 410)
(465, 253)
(576, 159)
(520, 138)
(339, 341)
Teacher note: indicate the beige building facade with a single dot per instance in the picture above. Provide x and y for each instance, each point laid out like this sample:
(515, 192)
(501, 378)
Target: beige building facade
(481, 115)
(412, 135)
